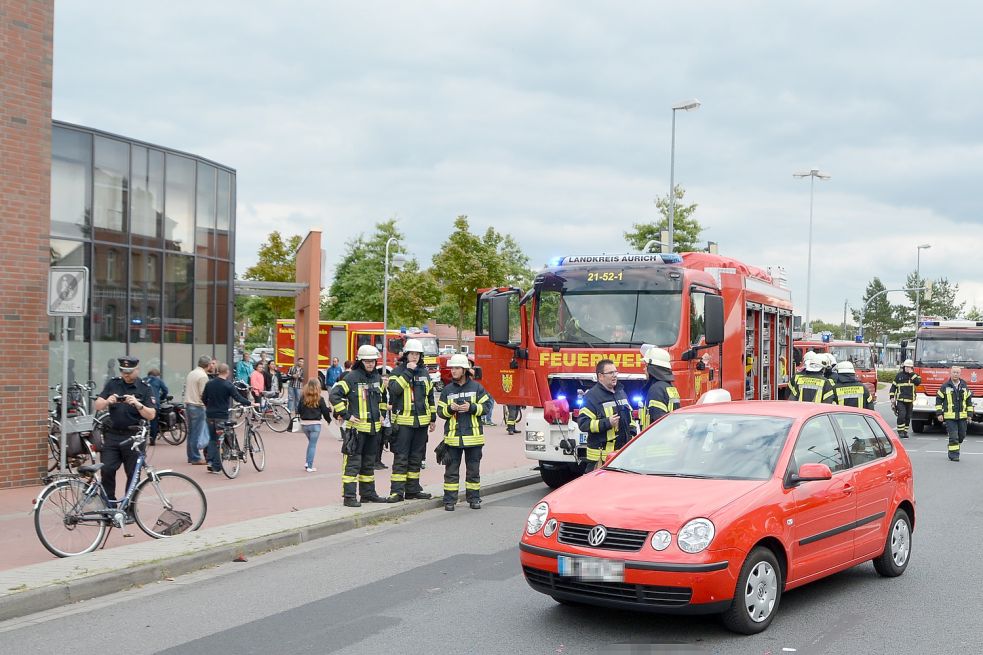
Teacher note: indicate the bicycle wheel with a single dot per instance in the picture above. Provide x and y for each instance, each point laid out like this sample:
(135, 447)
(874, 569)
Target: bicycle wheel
(257, 452)
(176, 435)
(230, 454)
(168, 505)
(59, 523)
(277, 418)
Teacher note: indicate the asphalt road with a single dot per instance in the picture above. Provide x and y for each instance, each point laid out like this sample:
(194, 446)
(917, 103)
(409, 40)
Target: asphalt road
(450, 583)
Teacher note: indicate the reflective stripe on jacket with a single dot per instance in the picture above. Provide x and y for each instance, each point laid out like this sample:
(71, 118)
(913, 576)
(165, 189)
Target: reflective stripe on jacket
(463, 429)
(850, 392)
(811, 387)
(662, 399)
(954, 402)
(411, 396)
(360, 395)
(595, 419)
(903, 388)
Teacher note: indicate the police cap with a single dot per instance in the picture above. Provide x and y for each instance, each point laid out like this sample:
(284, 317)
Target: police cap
(127, 364)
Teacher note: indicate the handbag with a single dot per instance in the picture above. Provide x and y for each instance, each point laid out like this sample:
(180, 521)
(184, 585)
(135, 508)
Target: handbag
(440, 452)
(295, 424)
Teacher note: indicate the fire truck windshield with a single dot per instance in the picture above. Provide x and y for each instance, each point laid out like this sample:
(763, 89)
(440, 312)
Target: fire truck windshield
(949, 352)
(429, 344)
(861, 356)
(605, 318)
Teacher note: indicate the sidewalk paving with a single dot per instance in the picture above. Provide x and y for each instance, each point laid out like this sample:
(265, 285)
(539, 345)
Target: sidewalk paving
(256, 512)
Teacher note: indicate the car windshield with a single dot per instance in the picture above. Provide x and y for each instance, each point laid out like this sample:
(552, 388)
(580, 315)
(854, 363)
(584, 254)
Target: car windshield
(947, 352)
(606, 318)
(718, 446)
(861, 356)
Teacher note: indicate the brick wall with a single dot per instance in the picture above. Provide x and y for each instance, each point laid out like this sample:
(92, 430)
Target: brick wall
(26, 28)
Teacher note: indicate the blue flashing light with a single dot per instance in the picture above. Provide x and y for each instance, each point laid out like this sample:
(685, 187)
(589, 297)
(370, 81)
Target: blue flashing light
(826, 336)
(136, 321)
(402, 329)
(580, 401)
(858, 339)
(671, 258)
(562, 396)
(637, 400)
(556, 261)
(426, 329)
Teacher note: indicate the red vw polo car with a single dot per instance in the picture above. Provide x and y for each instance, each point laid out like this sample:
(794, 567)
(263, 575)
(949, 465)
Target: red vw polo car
(721, 508)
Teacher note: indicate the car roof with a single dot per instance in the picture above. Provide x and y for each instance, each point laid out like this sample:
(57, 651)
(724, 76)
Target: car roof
(777, 408)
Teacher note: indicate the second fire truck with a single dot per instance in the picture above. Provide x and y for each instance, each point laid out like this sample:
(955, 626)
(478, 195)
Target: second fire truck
(939, 346)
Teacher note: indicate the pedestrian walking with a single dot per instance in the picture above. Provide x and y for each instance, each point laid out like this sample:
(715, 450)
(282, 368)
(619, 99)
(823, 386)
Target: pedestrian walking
(848, 390)
(160, 392)
(662, 397)
(953, 407)
(411, 399)
(217, 396)
(462, 404)
(310, 411)
(243, 369)
(902, 393)
(333, 373)
(129, 401)
(295, 383)
(360, 399)
(194, 384)
(605, 416)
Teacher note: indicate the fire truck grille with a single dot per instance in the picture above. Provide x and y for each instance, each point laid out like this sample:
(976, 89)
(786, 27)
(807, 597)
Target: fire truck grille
(574, 534)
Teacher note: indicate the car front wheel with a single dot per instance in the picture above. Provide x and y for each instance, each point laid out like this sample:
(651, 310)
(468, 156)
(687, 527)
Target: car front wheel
(758, 593)
(897, 548)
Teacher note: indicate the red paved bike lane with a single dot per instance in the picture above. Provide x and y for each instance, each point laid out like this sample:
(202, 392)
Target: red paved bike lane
(284, 486)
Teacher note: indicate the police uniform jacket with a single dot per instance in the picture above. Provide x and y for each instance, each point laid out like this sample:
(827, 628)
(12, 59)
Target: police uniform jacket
(360, 395)
(850, 392)
(122, 416)
(595, 417)
(954, 401)
(662, 396)
(411, 396)
(463, 430)
(903, 388)
(811, 387)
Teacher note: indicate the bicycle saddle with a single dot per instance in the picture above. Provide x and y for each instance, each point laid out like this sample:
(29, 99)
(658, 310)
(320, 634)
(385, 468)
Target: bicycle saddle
(89, 468)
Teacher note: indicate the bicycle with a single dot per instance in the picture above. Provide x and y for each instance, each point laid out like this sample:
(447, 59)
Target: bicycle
(171, 422)
(82, 445)
(73, 515)
(275, 415)
(230, 451)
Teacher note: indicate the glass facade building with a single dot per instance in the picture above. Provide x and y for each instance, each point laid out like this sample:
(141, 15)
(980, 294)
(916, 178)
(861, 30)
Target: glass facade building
(155, 227)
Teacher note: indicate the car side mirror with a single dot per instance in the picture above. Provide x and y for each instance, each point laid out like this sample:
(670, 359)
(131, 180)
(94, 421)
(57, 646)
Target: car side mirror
(811, 472)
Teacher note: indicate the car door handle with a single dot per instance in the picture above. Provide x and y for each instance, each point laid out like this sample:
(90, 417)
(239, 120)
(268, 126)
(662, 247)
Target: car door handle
(848, 489)
(890, 475)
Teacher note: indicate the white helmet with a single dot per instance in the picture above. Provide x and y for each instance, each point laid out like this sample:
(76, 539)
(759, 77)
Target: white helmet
(657, 357)
(368, 352)
(413, 346)
(812, 362)
(908, 363)
(459, 360)
(845, 367)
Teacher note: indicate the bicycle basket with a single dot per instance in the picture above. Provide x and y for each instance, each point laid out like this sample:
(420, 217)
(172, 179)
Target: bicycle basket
(172, 522)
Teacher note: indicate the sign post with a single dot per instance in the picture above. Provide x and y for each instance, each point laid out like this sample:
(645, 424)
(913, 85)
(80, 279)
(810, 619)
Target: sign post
(68, 295)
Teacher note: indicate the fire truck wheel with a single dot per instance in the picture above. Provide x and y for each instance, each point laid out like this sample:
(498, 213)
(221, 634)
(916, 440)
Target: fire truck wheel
(558, 475)
(918, 426)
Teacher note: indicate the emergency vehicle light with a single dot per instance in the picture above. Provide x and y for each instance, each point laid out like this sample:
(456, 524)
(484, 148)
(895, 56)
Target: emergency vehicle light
(637, 400)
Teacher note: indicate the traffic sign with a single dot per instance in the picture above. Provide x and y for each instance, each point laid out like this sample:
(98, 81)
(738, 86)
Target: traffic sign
(68, 291)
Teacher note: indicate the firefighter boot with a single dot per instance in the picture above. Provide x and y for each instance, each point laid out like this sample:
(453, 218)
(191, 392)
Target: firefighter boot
(474, 503)
(419, 495)
(352, 502)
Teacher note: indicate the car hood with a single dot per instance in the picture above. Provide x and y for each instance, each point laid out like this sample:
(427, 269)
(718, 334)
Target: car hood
(643, 502)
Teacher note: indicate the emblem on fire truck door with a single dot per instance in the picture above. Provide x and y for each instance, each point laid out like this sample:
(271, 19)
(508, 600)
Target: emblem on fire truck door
(507, 382)
(972, 378)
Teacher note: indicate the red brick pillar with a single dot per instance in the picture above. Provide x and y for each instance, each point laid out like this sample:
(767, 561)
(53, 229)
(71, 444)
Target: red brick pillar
(26, 28)
(307, 307)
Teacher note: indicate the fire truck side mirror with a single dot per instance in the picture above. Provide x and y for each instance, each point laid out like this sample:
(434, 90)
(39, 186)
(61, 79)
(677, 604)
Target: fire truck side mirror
(714, 319)
(498, 320)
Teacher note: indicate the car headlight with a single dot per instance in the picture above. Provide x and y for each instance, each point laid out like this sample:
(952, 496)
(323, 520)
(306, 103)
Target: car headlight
(550, 528)
(661, 540)
(695, 535)
(535, 435)
(537, 517)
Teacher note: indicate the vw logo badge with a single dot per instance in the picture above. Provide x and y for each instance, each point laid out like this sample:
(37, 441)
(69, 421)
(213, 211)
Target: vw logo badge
(597, 535)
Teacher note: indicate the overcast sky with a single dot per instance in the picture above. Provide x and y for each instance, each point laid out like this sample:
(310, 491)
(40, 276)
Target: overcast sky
(551, 121)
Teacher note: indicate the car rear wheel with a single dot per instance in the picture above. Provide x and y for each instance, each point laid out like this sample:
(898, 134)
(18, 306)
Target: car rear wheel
(758, 593)
(897, 549)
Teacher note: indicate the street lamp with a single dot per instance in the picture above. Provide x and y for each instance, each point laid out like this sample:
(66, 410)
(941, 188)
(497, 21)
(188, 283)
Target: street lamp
(689, 105)
(918, 275)
(812, 174)
(398, 262)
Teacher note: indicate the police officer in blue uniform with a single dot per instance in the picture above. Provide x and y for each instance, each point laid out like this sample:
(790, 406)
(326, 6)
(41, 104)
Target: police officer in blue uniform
(129, 401)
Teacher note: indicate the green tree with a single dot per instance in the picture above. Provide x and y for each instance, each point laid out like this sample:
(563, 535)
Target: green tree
(943, 302)
(686, 228)
(413, 295)
(879, 320)
(277, 262)
(819, 326)
(974, 313)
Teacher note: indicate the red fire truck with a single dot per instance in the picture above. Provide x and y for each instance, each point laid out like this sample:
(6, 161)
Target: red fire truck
(861, 354)
(342, 339)
(940, 345)
(725, 324)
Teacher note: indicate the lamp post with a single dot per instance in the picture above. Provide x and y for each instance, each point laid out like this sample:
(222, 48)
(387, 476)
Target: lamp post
(918, 275)
(398, 261)
(684, 106)
(812, 174)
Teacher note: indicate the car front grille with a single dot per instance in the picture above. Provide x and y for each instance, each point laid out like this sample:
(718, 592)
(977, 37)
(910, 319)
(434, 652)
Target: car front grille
(575, 534)
(639, 594)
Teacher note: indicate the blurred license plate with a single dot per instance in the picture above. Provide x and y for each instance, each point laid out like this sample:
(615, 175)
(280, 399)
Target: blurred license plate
(583, 438)
(604, 570)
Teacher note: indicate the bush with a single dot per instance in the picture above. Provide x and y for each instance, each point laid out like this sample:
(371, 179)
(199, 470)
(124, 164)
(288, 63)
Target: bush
(886, 374)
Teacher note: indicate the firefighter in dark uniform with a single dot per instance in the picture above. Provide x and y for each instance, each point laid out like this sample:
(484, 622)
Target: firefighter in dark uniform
(512, 413)
(902, 394)
(662, 397)
(360, 399)
(953, 407)
(129, 401)
(414, 415)
(811, 385)
(605, 416)
(848, 390)
(462, 403)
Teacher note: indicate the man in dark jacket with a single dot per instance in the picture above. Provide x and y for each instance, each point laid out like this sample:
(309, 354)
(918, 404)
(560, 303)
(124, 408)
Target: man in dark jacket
(216, 396)
(605, 416)
(462, 403)
(953, 407)
(161, 392)
(848, 390)
(411, 399)
(902, 395)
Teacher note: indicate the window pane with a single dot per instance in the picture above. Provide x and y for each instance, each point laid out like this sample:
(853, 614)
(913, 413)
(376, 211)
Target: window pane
(222, 307)
(817, 444)
(179, 275)
(110, 177)
(859, 438)
(71, 180)
(68, 253)
(147, 197)
(884, 445)
(696, 321)
(223, 221)
(177, 358)
(109, 309)
(179, 207)
(145, 298)
(204, 301)
(205, 210)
